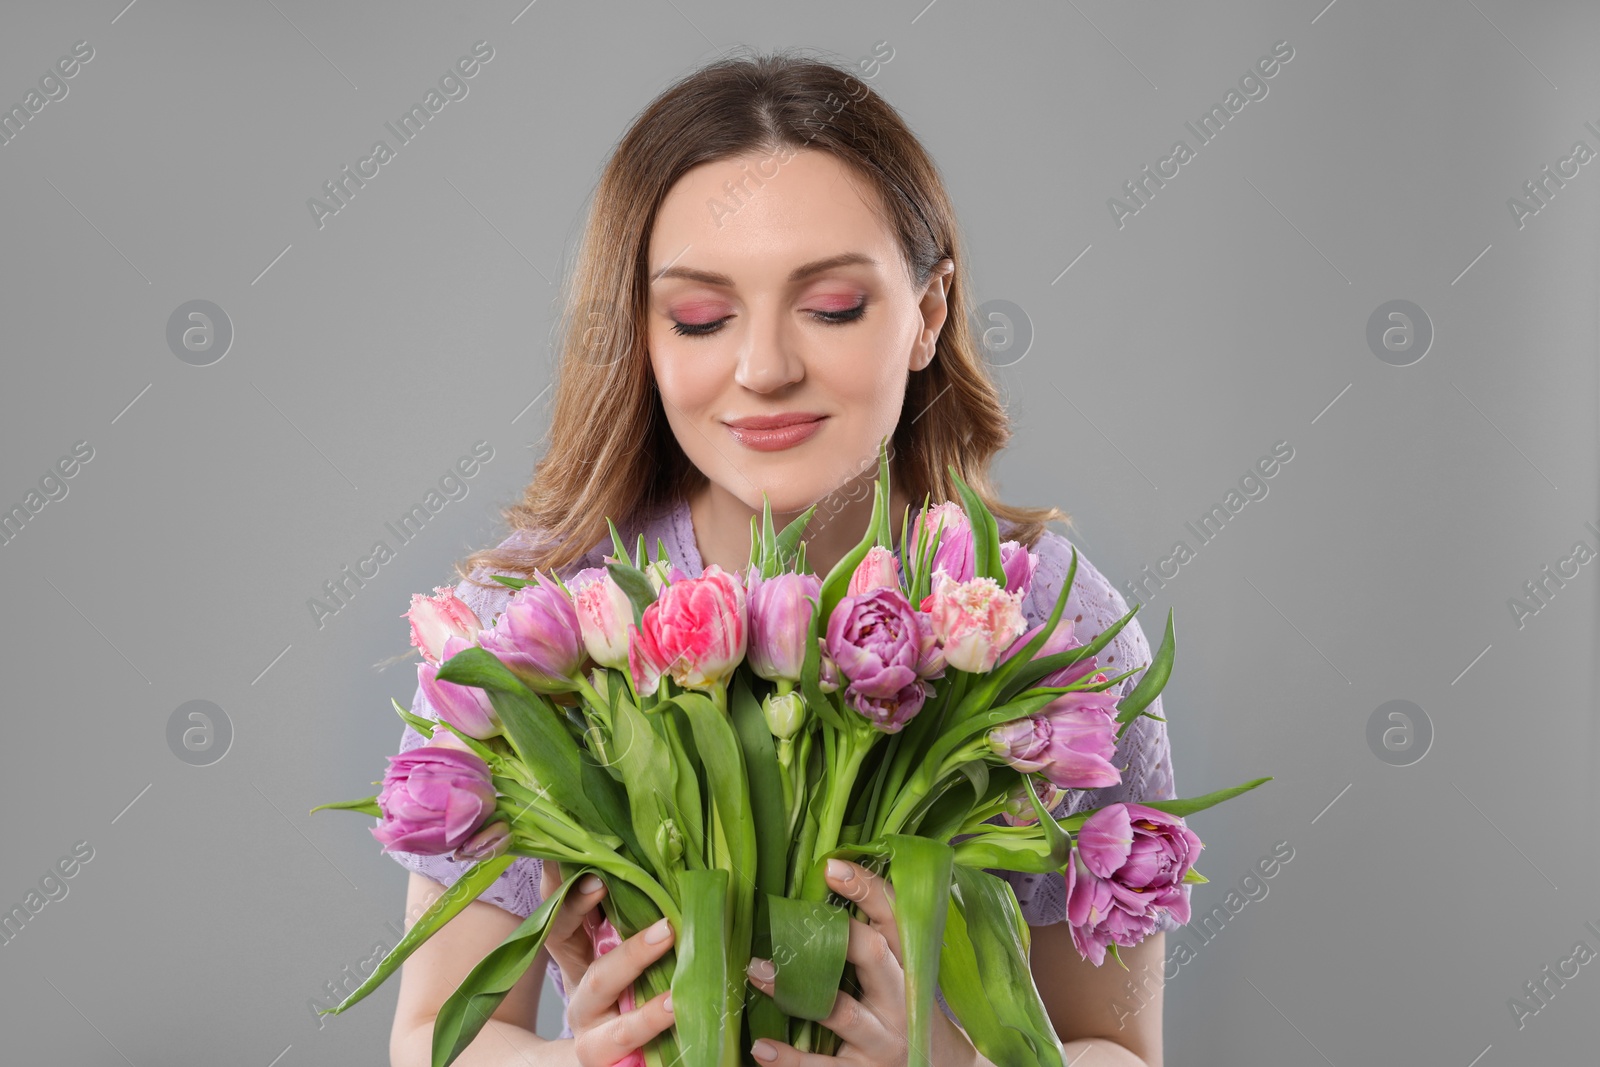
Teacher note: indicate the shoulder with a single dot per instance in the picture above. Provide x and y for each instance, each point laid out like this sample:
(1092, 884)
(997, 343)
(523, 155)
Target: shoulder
(488, 600)
(1093, 604)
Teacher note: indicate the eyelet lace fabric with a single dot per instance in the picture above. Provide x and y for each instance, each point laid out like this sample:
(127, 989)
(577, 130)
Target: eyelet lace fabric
(1143, 754)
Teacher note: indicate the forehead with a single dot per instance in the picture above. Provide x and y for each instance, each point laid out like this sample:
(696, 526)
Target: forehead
(760, 214)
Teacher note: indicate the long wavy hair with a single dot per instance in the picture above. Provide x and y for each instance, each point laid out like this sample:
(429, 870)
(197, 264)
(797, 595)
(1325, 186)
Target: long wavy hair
(609, 450)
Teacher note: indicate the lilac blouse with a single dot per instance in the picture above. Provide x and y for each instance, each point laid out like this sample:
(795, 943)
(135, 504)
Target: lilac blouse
(1142, 754)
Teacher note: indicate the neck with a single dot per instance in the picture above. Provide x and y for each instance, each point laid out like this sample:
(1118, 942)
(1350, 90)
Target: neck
(722, 525)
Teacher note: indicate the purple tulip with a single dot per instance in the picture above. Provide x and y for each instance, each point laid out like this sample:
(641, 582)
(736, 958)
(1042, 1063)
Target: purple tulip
(538, 637)
(875, 642)
(780, 619)
(1019, 564)
(890, 714)
(434, 798)
(466, 707)
(1070, 741)
(954, 551)
(1128, 864)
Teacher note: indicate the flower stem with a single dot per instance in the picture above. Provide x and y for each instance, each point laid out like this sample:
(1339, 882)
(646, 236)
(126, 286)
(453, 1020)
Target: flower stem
(854, 743)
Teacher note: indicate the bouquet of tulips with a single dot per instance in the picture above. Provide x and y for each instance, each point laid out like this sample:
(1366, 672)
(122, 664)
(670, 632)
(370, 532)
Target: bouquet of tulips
(706, 743)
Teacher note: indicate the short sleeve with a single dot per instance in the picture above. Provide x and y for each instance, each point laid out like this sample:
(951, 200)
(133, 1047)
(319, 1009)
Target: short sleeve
(1143, 754)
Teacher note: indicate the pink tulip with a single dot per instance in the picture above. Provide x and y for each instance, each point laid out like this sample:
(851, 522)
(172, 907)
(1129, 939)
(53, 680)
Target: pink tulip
(606, 939)
(974, 621)
(879, 569)
(538, 637)
(1070, 741)
(436, 618)
(930, 657)
(1128, 863)
(605, 615)
(1019, 564)
(875, 641)
(954, 552)
(696, 631)
(780, 620)
(434, 799)
(466, 707)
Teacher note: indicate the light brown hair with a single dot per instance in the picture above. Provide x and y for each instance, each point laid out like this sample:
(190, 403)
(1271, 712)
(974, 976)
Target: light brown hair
(609, 450)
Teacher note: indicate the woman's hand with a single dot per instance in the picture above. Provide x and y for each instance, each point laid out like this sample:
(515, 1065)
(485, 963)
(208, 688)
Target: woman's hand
(604, 1030)
(873, 1030)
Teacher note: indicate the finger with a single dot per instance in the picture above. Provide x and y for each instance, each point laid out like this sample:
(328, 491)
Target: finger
(777, 1054)
(615, 1038)
(871, 893)
(574, 913)
(614, 971)
(874, 1024)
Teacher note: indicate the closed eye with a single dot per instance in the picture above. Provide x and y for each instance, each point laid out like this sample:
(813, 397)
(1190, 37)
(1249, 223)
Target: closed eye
(830, 318)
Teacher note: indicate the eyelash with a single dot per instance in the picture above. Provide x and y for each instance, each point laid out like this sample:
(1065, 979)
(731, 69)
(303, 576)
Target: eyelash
(831, 318)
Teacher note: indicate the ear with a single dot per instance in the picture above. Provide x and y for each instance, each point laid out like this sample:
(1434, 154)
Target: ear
(934, 309)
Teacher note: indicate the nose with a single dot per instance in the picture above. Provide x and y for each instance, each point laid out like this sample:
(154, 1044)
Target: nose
(767, 359)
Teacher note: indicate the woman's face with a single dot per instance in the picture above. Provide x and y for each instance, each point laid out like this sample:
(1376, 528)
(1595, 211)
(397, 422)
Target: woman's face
(777, 290)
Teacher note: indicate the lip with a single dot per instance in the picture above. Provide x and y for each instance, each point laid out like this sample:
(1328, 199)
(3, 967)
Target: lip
(774, 422)
(782, 431)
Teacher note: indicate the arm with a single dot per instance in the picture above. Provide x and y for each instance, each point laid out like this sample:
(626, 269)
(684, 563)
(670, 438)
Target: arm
(1092, 1007)
(438, 966)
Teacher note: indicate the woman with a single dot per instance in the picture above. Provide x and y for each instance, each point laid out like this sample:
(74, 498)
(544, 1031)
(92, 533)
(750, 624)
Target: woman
(770, 283)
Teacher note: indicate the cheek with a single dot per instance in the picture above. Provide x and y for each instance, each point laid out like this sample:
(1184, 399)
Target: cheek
(687, 379)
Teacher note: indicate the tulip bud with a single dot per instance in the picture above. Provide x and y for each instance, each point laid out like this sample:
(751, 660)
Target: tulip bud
(785, 712)
(661, 572)
(604, 615)
(436, 618)
(493, 840)
(669, 842)
(879, 569)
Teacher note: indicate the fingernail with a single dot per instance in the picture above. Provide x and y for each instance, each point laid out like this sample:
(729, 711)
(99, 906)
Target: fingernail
(668, 1002)
(761, 970)
(589, 883)
(840, 871)
(658, 933)
(763, 1050)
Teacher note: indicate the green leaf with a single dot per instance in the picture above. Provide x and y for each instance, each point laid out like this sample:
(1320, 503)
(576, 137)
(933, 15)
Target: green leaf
(1194, 877)
(632, 581)
(1003, 1013)
(809, 939)
(838, 579)
(985, 533)
(449, 904)
(416, 722)
(1130, 706)
(536, 734)
(766, 792)
(465, 1011)
(1189, 806)
(920, 872)
(704, 1007)
(619, 549)
(366, 805)
(789, 539)
(514, 583)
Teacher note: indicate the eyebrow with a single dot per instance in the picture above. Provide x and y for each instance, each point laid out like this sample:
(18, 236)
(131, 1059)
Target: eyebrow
(800, 273)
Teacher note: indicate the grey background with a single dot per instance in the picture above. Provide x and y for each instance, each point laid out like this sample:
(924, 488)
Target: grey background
(1228, 314)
